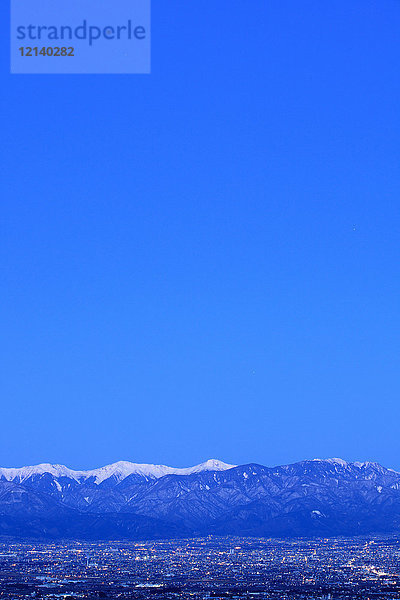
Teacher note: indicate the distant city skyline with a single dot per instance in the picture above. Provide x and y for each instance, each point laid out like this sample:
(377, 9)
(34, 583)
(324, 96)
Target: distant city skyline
(366, 566)
(204, 261)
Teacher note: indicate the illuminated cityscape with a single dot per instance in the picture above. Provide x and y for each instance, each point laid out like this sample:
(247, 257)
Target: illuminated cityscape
(204, 568)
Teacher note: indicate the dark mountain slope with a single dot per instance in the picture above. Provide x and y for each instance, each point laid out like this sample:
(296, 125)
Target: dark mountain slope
(318, 497)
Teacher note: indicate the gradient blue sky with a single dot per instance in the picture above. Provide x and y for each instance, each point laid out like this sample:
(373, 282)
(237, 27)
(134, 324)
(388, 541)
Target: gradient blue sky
(204, 262)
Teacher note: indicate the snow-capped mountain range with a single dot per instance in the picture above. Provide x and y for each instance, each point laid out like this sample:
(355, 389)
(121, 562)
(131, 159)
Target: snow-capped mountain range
(118, 471)
(134, 501)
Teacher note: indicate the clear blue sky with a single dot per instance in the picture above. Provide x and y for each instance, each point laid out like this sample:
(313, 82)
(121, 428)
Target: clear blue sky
(204, 262)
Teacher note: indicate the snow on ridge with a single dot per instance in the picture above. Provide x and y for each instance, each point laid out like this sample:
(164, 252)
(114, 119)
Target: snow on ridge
(123, 469)
(119, 471)
(360, 465)
(337, 461)
(23, 473)
(332, 461)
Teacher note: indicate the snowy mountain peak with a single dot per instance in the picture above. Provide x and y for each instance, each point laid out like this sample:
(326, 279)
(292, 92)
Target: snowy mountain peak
(24, 473)
(337, 461)
(118, 471)
(122, 469)
(332, 461)
(212, 464)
